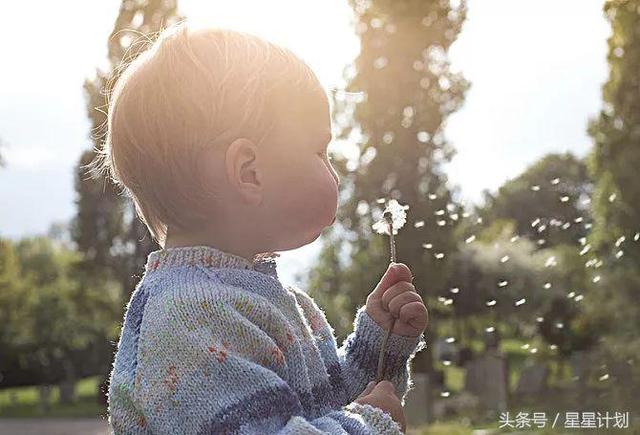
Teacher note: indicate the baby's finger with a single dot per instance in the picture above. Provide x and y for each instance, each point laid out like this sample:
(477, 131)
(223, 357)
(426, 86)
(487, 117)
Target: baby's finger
(368, 389)
(386, 386)
(395, 290)
(401, 300)
(414, 314)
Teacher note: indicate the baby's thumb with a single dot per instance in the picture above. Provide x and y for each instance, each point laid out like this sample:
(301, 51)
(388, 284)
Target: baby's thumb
(368, 389)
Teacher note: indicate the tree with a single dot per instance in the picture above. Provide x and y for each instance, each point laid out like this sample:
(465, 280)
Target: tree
(549, 201)
(614, 164)
(406, 92)
(113, 241)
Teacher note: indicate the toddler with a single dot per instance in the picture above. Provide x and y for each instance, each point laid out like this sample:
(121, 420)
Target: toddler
(220, 139)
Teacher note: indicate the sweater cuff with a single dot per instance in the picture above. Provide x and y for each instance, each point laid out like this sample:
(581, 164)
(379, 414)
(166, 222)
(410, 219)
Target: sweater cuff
(376, 419)
(399, 348)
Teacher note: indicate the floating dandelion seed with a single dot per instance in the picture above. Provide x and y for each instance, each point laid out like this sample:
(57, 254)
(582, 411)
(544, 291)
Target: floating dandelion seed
(555, 181)
(534, 350)
(539, 319)
(450, 340)
(541, 242)
(604, 377)
(566, 225)
(578, 220)
(596, 279)
(380, 200)
(570, 295)
(612, 197)
(419, 224)
(551, 261)
(619, 254)
(564, 198)
(541, 228)
(547, 285)
(559, 325)
(432, 196)
(393, 218)
(470, 239)
(439, 255)
(491, 303)
(503, 283)
(587, 226)
(427, 245)
(636, 237)
(578, 298)
(454, 290)
(585, 249)
(514, 238)
(439, 212)
(553, 346)
(504, 259)
(441, 223)
(490, 329)
(582, 240)
(520, 302)
(620, 241)
(535, 188)
(446, 362)
(445, 394)
(525, 346)
(479, 220)
(586, 201)
(535, 222)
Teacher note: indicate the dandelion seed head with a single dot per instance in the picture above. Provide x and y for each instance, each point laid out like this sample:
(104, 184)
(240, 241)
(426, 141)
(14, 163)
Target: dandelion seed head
(398, 215)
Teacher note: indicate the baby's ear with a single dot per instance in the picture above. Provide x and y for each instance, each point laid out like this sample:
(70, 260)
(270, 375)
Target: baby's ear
(243, 173)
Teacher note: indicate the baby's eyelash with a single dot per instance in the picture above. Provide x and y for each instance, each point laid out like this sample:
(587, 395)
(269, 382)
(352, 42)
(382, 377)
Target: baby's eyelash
(322, 154)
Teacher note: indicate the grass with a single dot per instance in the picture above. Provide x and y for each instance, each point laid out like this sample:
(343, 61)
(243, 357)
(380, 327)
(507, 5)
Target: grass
(27, 402)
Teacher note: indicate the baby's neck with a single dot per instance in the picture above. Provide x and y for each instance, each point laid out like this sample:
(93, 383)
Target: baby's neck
(218, 239)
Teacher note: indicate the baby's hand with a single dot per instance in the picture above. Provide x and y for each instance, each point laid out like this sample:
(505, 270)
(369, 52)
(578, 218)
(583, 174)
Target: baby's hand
(383, 395)
(395, 297)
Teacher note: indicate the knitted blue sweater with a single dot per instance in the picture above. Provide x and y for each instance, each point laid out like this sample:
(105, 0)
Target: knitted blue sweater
(213, 344)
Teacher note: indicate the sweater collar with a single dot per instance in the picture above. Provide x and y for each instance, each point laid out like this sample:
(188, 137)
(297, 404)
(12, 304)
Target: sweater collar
(210, 257)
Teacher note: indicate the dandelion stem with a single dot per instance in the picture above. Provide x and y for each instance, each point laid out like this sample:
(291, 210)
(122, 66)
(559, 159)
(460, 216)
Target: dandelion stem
(381, 356)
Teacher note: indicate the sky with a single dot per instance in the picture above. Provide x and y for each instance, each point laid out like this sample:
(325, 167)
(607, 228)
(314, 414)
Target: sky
(536, 68)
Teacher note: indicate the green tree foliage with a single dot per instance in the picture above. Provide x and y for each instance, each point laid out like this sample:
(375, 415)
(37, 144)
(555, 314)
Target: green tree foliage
(614, 165)
(405, 92)
(548, 201)
(616, 134)
(54, 327)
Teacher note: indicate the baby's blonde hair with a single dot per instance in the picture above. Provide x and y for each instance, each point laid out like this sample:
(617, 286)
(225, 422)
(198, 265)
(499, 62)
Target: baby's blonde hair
(187, 91)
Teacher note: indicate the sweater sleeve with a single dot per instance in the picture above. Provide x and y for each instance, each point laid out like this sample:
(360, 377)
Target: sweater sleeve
(359, 356)
(211, 365)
